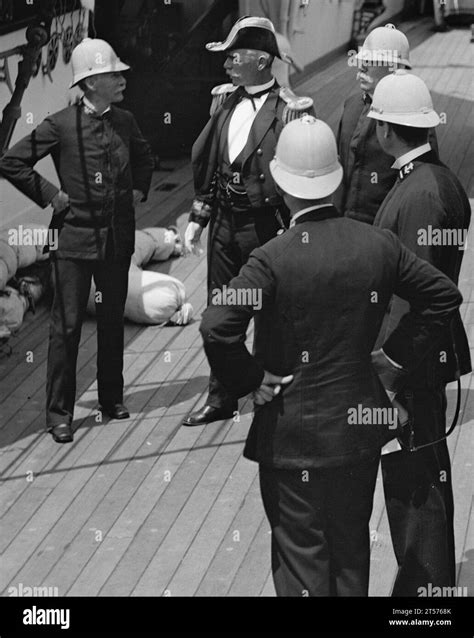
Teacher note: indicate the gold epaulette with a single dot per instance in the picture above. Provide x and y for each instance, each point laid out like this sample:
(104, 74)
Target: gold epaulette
(219, 94)
(296, 106)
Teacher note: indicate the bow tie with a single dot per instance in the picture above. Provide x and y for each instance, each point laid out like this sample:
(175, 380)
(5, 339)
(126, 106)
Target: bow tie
(243, 93)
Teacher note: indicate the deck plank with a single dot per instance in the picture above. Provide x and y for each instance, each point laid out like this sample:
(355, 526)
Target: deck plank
(230, 555)
(252, 574)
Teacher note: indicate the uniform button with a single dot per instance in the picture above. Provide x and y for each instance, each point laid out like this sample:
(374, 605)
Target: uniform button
(259, 151)
(261, 177)
(267, 200)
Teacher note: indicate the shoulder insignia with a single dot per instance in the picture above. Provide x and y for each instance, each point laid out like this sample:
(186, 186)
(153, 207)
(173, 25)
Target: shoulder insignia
(296, 105)
(219, 94)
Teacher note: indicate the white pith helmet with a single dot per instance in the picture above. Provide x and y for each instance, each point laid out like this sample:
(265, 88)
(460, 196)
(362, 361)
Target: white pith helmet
(93, 56)
(385, 45)
(403, 98)
(306, 163)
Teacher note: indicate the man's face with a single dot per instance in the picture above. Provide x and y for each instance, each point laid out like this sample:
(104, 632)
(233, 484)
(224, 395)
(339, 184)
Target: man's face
(243, 66)
(109, 87)
(370, 75)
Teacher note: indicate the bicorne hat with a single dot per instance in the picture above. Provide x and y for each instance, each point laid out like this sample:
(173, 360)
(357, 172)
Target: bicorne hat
(251, 32)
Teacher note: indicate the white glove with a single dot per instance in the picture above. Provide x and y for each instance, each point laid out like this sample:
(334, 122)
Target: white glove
(192, 239)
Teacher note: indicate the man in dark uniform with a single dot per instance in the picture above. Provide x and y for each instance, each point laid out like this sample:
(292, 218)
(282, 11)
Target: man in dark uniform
(104, 166)
(234, 189)
(368, 175)
(429, 211)
(324, 287)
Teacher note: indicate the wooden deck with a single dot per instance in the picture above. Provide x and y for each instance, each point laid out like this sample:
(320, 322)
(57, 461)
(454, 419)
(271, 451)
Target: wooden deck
(147, 507)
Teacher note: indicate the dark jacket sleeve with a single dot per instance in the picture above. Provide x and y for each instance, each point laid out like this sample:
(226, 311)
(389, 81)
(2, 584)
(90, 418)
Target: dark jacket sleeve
(433, 300)
(17, 164)
(141, 160)
(224, 327)
(204, 163)
(429, 212)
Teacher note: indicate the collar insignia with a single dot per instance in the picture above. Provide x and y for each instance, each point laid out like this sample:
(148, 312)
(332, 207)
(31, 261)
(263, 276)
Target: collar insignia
(406, 170)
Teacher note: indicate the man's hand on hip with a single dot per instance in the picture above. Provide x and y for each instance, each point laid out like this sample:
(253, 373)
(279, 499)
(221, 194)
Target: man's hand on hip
(270, 388)
(60, 202)
(192, 239)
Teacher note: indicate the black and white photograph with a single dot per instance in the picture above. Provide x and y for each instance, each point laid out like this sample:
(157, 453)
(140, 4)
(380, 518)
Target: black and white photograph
(236, 316)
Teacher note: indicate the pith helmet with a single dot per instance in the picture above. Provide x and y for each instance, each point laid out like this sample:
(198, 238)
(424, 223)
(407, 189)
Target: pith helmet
(251, 32)
(385, 45)
(93, 57)
(403, 98)
(305, 163)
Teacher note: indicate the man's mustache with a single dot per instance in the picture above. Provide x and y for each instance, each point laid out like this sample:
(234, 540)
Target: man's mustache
(363, 76)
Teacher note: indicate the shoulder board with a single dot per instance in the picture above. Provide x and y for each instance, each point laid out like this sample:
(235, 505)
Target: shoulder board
(220, 89)
(219, 94)
(296, 105)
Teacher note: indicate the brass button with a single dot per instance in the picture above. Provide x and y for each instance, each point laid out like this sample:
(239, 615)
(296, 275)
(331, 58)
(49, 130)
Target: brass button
(259, 151)
(261, 177)
(267, 200)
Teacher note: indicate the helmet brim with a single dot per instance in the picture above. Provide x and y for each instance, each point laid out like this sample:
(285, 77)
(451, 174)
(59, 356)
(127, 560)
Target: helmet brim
(117, 68)
(416, 120)
(306, 187)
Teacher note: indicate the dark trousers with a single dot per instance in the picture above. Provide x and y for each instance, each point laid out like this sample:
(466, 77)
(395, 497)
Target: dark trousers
(72, 282)
(232, 237)
(419, 498)
(320, 528)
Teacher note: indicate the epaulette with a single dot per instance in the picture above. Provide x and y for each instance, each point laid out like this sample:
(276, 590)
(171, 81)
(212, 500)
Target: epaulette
(219, 94)
(296, 106)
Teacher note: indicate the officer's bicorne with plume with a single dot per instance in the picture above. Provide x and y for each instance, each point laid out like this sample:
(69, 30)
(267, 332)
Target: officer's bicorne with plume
(281, 107)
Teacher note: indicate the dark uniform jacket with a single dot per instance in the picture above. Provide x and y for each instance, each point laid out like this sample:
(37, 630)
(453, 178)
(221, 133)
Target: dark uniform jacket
(260, 150)
(368, 176)
(99, 161)
(326, 284)
(427, 197)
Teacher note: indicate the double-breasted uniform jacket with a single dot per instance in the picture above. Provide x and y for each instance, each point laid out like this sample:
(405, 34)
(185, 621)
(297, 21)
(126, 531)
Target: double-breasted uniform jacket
(259, 151)
(368, 176)
(325, 285)
(426, 199)
(99, 161)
